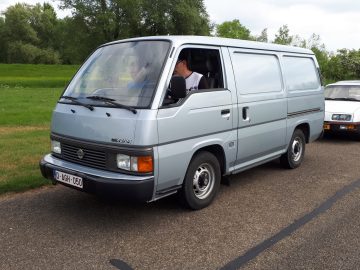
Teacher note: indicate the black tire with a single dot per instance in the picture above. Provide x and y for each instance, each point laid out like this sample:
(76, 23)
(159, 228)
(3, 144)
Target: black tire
(295, 152)
(204, 169)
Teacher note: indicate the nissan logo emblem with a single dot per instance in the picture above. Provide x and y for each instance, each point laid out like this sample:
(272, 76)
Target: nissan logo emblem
(80, 153)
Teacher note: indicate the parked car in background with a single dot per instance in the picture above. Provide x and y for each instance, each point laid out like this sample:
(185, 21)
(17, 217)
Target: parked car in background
(342, 107)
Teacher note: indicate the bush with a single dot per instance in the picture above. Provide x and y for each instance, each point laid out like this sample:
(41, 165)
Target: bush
(21, 53)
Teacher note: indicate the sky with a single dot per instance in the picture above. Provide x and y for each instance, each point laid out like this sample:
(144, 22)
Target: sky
(337, 22)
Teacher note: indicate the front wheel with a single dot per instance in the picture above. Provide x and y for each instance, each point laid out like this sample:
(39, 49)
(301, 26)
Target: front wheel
(295, 152)
(202, 181)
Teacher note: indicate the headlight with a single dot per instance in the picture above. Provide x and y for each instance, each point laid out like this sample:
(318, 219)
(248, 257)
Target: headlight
(123, 162)
(56, 147)
(341, 117)
(143, 164)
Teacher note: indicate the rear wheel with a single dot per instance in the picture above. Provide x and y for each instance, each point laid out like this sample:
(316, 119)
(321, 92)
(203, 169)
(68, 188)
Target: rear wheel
(295, 152)
(202, 181)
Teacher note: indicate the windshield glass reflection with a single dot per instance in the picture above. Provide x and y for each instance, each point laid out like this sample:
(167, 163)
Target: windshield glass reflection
(350, 92)
(125, 72)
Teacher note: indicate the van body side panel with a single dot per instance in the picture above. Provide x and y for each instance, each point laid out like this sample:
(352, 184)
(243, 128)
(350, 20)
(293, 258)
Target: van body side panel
(262, 106)
(265, 133)
(174, 158)
(306, 104)
(306, 109)
(204, 118)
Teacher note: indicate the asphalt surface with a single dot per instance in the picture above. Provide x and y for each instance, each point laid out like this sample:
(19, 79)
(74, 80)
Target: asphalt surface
(268, 218)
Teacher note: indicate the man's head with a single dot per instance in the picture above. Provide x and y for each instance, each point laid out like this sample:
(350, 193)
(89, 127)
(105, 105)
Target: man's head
(181, 67)
(134, 67)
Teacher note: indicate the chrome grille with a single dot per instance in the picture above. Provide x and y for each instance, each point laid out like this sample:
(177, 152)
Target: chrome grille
(92, 158)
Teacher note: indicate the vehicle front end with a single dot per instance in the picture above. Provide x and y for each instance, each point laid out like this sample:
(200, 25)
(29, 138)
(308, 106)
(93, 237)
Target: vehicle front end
(342, 108)
(103, 129)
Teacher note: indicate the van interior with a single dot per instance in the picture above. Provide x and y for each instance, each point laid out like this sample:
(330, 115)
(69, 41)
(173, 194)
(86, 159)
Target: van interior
(206, 62)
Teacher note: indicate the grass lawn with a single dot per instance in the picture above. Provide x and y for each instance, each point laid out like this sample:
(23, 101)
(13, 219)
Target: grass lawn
(28, 94)
(35, 76)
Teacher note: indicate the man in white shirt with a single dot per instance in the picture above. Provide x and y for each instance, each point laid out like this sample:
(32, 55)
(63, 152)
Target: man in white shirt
(194, 80)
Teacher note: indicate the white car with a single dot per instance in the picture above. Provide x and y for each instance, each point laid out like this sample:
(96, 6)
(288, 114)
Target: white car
(342, 107)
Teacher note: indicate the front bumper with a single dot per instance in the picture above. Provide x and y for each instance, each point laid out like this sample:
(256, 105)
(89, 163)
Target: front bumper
(116, 185)
(350, 127)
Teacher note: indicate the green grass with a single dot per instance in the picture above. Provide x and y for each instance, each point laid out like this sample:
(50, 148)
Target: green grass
(28, 106)
(28, 94)
(20, 152)
(39, 76)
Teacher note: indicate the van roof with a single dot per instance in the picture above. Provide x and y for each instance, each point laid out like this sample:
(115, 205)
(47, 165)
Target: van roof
(352, 82)
(217, 41)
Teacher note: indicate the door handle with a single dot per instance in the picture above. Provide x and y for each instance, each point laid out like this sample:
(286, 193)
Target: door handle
(226, 111)
(245, 114)
(225, 114)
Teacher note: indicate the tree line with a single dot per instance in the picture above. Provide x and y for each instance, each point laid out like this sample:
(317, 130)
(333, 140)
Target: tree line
(34, 33)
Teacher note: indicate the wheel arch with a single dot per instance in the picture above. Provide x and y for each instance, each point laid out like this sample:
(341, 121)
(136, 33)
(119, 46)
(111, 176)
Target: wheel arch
(218, 151)
(305, 128)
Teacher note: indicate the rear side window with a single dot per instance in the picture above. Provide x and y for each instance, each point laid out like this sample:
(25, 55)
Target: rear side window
(257, 73)
(300, 73)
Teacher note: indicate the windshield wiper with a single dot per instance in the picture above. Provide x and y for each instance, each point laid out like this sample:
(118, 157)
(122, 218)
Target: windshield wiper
(112, 102)
(75, 101)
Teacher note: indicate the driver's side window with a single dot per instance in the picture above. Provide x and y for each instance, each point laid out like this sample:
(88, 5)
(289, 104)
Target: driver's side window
(201, 69)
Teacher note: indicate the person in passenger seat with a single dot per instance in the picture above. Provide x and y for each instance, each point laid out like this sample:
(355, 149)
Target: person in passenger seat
(194, 80)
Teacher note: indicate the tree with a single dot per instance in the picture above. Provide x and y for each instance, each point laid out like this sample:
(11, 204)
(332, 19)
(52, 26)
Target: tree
(43, 20)
(188, 17)
(263, 37)
(283, 37)
(233, 29)
(17, 26)
(27, 34)
(2, 41)
(116, 19)
(30, 54)
(74, 49)
(110, 20)
(345, 65)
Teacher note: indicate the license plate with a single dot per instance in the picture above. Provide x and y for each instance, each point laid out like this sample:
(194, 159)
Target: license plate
(343, 127)
(326, 126)
(68, 179)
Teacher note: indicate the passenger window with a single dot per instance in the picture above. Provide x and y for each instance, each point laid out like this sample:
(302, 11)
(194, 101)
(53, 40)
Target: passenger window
(257, 73)
(300, 73)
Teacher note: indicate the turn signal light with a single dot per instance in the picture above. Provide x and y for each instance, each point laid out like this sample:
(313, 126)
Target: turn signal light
(145, 164)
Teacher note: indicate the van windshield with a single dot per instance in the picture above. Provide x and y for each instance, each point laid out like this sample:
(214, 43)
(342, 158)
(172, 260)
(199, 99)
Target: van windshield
(343, 92)
(127, 73)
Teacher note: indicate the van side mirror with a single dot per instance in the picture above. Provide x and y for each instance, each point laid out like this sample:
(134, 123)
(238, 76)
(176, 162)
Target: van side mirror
(178, 87)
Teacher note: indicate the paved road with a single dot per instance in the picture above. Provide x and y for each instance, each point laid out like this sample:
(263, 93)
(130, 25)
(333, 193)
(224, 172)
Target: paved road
(269, 218)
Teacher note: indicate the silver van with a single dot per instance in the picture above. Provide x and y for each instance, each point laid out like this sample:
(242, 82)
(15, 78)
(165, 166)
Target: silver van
(126, 126)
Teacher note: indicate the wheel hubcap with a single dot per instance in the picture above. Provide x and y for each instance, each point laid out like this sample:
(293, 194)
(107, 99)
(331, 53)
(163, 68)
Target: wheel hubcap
(296, 149)
(203, 181)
